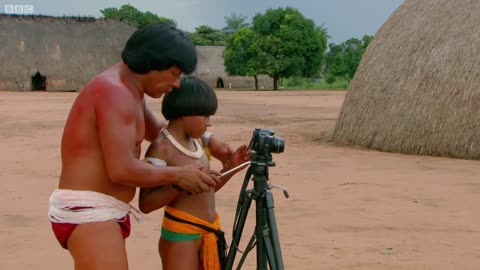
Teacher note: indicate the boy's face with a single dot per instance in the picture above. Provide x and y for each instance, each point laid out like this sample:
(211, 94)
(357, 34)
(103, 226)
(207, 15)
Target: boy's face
(196, 125)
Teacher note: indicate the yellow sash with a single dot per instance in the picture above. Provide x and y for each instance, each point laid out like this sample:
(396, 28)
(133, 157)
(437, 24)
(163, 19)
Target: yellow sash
(210, 249)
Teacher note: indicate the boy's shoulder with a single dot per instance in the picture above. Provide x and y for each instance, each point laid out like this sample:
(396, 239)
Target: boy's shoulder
(159, 148)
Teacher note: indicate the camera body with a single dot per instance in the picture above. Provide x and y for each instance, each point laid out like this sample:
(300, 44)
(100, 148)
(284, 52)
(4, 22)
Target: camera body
(264, 143)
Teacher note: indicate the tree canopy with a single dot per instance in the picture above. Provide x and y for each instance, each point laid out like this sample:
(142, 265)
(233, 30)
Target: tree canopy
(134, 16)
(282, 43)
(343, 59)
(205, 35)
(241, 54)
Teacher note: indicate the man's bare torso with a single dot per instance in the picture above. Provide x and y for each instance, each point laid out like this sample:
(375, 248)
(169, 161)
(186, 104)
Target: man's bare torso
(83, 165)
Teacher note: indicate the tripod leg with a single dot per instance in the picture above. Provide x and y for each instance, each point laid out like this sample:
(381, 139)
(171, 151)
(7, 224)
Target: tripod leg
(260, 228)
(250, 246)
(272, 262)
(238, 229)
(273, 230)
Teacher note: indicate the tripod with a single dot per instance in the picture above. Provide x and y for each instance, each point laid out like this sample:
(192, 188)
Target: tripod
(265, 236)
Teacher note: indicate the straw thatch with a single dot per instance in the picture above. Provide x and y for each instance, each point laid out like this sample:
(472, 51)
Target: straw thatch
(211, 67)
(69, 51)
(417, 89)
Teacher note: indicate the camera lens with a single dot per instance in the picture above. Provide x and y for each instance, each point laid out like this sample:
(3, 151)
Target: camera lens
(277, 145)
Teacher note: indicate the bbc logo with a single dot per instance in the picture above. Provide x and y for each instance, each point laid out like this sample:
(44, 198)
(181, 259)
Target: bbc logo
(19, 9)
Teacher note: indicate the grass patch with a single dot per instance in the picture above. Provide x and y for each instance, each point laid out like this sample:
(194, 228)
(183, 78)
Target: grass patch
(306, 83)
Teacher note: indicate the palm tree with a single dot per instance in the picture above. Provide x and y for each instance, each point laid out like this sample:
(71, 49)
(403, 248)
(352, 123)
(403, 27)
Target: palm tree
(234, 23)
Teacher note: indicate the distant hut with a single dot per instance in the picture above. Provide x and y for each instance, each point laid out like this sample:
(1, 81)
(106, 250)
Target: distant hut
(211, 67)
(417, 89)
(68, 51)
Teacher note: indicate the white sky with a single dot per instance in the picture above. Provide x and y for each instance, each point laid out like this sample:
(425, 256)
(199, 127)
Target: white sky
(343, 19)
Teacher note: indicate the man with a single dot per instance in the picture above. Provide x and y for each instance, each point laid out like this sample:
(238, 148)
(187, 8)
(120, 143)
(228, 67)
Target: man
(100, 148)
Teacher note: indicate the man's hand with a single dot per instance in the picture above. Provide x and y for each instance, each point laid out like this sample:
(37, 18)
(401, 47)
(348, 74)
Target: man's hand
(194, 180)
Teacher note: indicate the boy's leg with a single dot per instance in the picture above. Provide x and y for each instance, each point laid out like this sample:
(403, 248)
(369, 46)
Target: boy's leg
(182, 255)
(98, 245)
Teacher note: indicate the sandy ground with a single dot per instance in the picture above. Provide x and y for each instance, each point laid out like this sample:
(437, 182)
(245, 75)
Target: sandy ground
(348, 208)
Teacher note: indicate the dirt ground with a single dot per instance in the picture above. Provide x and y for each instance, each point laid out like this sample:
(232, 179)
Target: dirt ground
(348, 208)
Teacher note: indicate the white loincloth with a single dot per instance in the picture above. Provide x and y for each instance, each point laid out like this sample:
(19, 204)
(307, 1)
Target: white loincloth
(100, 207)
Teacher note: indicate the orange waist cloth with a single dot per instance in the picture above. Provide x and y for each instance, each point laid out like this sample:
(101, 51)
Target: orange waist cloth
(211, 260)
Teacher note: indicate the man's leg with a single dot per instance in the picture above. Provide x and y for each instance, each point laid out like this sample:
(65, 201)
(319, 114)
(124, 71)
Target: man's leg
(98, 245)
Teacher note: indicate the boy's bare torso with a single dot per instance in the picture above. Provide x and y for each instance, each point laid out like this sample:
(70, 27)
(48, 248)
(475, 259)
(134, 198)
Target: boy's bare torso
(201, 205)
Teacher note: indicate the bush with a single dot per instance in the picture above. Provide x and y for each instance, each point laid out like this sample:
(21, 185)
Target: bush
(331, 79)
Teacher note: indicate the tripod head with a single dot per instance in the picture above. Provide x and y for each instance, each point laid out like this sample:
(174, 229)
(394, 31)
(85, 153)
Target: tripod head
(263, 144)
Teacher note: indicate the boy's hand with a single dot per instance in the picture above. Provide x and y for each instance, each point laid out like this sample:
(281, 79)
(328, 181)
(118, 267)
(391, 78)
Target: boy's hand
(241, 155)
(220, 150)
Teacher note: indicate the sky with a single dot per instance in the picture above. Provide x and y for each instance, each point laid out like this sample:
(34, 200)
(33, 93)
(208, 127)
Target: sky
(343, 19)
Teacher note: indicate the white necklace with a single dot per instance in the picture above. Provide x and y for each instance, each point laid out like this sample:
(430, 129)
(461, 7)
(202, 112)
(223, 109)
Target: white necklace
(197, 154)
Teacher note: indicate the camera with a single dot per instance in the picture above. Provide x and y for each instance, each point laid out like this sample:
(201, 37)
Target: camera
(263, 142)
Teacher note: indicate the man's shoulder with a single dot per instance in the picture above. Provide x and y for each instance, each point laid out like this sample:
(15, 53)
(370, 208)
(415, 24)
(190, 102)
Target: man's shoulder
(107, 95)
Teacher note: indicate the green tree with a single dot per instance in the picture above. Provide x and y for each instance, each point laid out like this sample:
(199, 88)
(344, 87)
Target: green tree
(343, 59)
(234, 23)
(205, 35)
(289, 44)
(240, 55)
(134, 16)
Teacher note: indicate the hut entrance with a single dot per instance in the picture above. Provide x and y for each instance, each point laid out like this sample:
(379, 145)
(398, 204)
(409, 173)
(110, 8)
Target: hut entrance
(220, 83)
(38, 81)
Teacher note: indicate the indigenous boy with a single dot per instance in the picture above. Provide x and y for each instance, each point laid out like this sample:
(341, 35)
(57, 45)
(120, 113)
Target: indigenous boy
(101, 148)
(191, 226)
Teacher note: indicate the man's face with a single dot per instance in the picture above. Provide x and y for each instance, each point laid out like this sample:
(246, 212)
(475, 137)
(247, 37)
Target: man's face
(159, 82)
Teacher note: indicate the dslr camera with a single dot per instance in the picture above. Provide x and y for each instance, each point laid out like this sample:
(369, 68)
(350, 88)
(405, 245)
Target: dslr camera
(263, 143)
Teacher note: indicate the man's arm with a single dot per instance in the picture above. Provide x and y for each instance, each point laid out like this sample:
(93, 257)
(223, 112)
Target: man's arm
(153, 125)
(116, 112)
(151, 199)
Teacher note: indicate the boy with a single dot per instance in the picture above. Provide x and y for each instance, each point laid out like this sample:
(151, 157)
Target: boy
(191, 226)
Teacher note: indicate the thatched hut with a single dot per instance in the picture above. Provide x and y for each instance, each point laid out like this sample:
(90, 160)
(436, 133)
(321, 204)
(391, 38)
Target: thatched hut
(64, 53)
(68, 51)
(417, 89)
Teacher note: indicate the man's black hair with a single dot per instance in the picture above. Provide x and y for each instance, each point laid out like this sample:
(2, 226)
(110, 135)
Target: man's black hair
(159, 46)
(193, 97)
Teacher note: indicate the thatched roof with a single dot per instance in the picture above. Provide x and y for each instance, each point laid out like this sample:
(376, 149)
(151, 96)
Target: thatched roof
(417, 89)
(68, 50)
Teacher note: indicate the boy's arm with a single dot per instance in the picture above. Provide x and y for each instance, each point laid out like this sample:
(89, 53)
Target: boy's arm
(240, 156)
(219, 150)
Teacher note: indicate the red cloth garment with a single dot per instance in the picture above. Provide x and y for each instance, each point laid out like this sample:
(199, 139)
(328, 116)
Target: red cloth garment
(63, 231)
